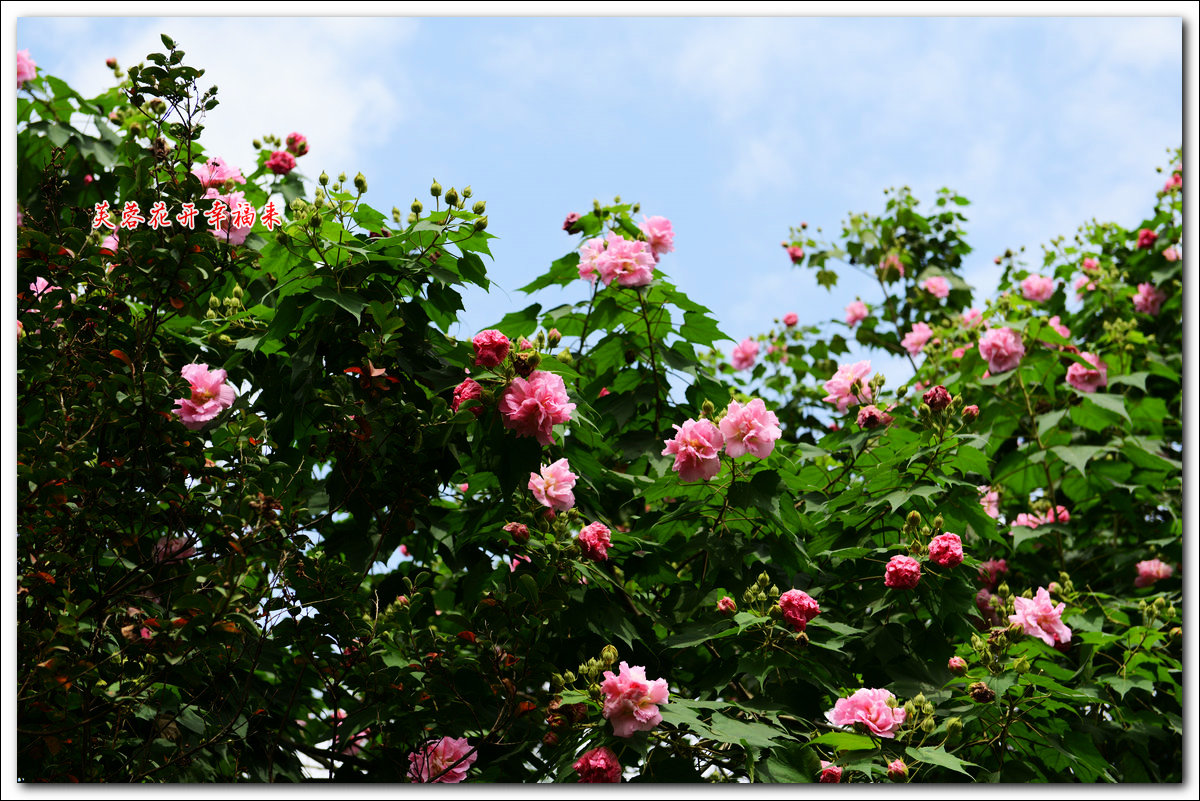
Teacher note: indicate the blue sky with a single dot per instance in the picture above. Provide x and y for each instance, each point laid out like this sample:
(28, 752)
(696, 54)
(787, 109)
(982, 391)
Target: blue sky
(734, 128)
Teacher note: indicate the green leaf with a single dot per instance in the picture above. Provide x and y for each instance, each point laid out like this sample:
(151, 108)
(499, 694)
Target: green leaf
(844, 741)
(1108, 402)
(1077, 456)
(938, 756)
(347, 300)
(731, 730)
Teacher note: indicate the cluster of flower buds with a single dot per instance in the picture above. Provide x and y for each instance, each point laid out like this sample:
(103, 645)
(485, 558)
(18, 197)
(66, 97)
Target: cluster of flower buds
(762, 596)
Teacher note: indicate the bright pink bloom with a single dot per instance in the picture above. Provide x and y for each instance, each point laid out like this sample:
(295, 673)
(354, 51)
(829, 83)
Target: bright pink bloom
(1041, 618)
(628, 262)
(228, 232)
(989, 499)
(902, 573)
(589, 256)
(849, 385)
(790, 319)
(1090, 264)
(173, 550)
(109, 244)
(1151, 571)
(594, 541)
(1081, 283)
(571, 219)
(631, 702)
(891, 262)
(1037, 288)
(216, 172)
(1002, 348)
(870, 708)
(1149, 299)
(750, 429)
(491, 348)
(210, 396)
(1146, 238)
(598, 766)
(446, 760)
(744, 354)
(856, 312)
(946, 550)
(533, 406)
(972, 317)
(1028, 520)
(297, 144)
(798, 608)
(1055, 322)
(553, 487)
(937, 286)
(830, 773)
(1086, 380)
(897, 770)
(697, 450)
(26, 68)
(658, 234)
(957, 665)
(914, 341)
(795, 253)
(1171, 254)
(516, 561)
(468, 390)
(873, 417)
(937, 398)
(1173, 183)
(726, 606)
(603, 392)
(991, 571)
(281, 162)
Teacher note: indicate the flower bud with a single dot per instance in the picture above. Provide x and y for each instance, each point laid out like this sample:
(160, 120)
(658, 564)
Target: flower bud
(764, 580)
(214, 302)
(927, 708)
(910, 710)
(938, 522)
(1021, 665)
(707, 410)
(928, 725)
(1003, 590)
(553, 337)
(954, 728)
(919, 700)
(913, 520)
(569, 677)
(608, 654)
(970, 413)
(360, 183)
(479, 207)
(957, 665)
(774, 591)
(481, 223)
(210, 315)
(416, 206)
(897, 771)
(452, 196)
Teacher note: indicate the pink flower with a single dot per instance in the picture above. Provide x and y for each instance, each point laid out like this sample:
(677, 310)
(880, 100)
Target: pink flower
(1090, 264)
(726, 606)
(983, 602)
(468, 390)
(872, 709)
(228, 232)
(603, 392)
(1055, 322)
(848, 385)
(969, 413)
(210, 396)
(790, 319)
(297, 145)
(972, 317)
(26, 68)
(946, 550)
(697, 450)
(937, 286)
(1173, 183)
(958, 353)
(1081, 283)
(744, 354)
(957, 665)
(658, 234)
(830, 773)
(631, 702)
(798, 608)
(1149, 299)
(751, 429)
(519, 531)
(889, 263)
(991, 570)
(1086, 380)
(914, 341)
(491, 348)
(594, 541)
(589, 256)
(571, 219)
(1028, 520)
(990, 501)
(872, 417)
(937, 398)
(1171, 254)
(795, 253)
(902, 573)
(281, 162)
(1002, 348)
(1146, 238)
(598, 766)
(897, 770)
(354, 744)
(1151, 571)
(630, 263)
(109, 244)
(516, 561)
(1037, 288)
(856, 312)
(1040, 618)
(173, 550)
(446, 760)
(533, 406)
(216, 172)
(553, 487)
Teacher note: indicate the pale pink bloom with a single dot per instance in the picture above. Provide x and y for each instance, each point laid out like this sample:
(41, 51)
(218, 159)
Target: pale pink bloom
(750, 429)
(228, 232)
(1041, 618)
(631, 700)
(1037, 288)
(553, 487)
(870, 708)
(891, 262)
(798, 608)
(516, 561)
(468, 390)
(897, 770)
(598, 766)
(446, 760)
(1056, 324)
(1146, 238)
(1086, 380)
(972, 317)
(946, 550)
(1151, 571)
(594, 541)
(991, 570)
(464, 487)
(744, 354)
(1028, 520)
(172, 550)
(216, 172)
(110, 244)
(856, 312)
(297, 144)
(658, 234)
(795, 253)
(914, 341)
(491, 348)
(1090, 264)
(589, 255)
(830, 773)
(873, 417)
(26, 68)
(533, 406)
(1171, 254)
(849, 385)
(1081, 283)
(697, 450)
(790, 319)
(1149, 299)
(726, 606)
(281, 162)
(937, 286)
(1173, 183)
(628, 262)
(989, 499)
(1002, 348)
(958, 353)
(210, 396)
(902, 573)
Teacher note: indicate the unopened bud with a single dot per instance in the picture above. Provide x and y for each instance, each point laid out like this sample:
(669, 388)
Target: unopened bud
(412, 218)
(452, 196)
(954, 727)
(214, 302)
(910, 710)
(919, 699)
(938, 522)
(479, 207)
(1160, 603)
(237, 291)
(707, 410)
(914, 519)
(608, 654)
(1003, 589)
(1021, 665)
(928, 725)
(764, 580)
(257, 144)
(569, 677)
(360, 183)
(481, 223)
(466, 191)
(210, 315)
(927, 708)
(970, 413)
(553, 337)
(774, 591)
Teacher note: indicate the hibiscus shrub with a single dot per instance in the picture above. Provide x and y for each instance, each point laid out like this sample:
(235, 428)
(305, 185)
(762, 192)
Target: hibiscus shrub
(276, 522)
